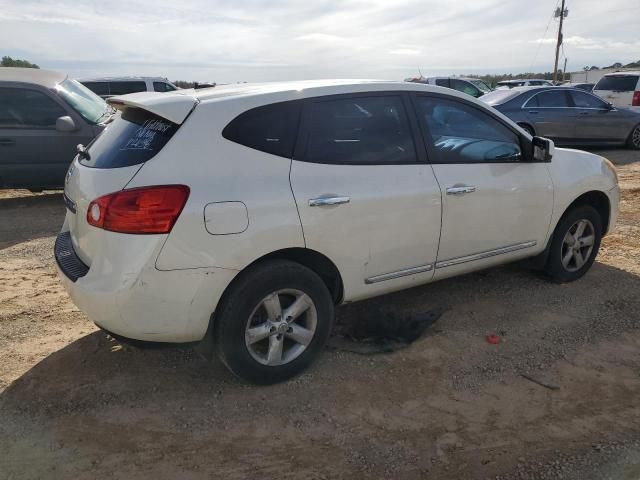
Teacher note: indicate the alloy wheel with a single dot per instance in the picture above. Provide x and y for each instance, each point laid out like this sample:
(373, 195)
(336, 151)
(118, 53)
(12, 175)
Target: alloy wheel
(577, 245)
(635, 137)
(281, 327)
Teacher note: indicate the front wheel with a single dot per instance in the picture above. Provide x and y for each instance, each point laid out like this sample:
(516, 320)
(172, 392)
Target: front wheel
(273, 322)
(575, 244)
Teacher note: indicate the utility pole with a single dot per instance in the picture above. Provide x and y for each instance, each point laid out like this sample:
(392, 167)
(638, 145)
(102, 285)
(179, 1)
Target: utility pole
(562, 12)
(564, 70)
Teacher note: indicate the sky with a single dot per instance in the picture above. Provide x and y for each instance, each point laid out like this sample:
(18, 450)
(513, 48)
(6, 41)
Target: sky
(264, 40)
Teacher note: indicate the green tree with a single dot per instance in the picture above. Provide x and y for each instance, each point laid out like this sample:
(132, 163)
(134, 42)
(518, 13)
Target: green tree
(10, 62)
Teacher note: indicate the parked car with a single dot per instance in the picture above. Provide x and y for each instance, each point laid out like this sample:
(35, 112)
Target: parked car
(471, 86)
(621, 89)
(108, 87)
(588, 87)
(523, 82)
(568, 116)
(43, 116)
(245, 214)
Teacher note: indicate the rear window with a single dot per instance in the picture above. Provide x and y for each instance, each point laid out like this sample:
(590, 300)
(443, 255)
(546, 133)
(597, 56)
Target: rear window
(498, 97)
(271, 129)
(619, 83)
(134, 137)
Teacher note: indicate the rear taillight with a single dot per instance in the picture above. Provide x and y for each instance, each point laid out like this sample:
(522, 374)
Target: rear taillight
(636, 99)
(139, 210)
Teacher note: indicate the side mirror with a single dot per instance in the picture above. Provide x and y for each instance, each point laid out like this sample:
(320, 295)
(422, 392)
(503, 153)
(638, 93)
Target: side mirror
(542, 149)
(66, 124)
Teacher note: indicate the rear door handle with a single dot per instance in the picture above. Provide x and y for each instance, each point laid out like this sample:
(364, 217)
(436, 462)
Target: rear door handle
(584, 113)
(460, 189)
(324, 201)
(533, 111)
(7, 142)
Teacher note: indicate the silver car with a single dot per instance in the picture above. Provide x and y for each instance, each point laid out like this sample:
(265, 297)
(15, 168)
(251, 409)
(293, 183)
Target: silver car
(568, 116)
(44, 115)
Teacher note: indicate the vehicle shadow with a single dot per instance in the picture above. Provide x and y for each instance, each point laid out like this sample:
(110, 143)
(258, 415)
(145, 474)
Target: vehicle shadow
(96, 371)
(26, 218)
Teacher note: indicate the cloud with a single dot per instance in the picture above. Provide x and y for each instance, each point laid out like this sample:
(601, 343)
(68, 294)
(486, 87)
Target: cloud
(405, 51)
(262, 40)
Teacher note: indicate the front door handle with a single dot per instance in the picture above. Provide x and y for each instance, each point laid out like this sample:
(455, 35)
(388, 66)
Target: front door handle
(7, 142)
(583, 113)
(460, 189)
(324, 201)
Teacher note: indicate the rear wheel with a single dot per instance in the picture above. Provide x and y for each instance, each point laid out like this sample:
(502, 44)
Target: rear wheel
(575, 244)
(273, 322)
(634, 138)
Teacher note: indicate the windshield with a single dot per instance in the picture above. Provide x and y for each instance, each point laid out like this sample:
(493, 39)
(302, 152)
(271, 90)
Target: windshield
(481, 85)
(498, 97)
(83, 100)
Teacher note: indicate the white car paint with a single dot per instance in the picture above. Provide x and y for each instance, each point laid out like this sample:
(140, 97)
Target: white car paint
(620, 98)
(398, 219)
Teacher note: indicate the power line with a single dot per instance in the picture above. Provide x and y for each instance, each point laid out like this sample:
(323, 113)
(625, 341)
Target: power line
(544, 35)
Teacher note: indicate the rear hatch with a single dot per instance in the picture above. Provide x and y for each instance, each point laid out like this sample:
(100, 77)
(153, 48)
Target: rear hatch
(621, 90)
(139, 131)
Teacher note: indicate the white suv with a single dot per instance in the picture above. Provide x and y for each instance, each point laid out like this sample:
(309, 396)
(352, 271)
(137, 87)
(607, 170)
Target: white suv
(108, 87)
(245, 214)
(621, 89)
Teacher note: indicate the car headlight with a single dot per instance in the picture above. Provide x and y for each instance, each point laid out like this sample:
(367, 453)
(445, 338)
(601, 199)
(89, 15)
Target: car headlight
(612, 167)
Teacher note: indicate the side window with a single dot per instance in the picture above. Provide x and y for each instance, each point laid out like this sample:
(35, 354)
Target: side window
(99, 88)
(461, 133)
(464, 87)
(552, 99)
(359, 131)
(442, 82)
(122, 88)
(271, 129)
(25, 108)
(162, 87)
(584, 100)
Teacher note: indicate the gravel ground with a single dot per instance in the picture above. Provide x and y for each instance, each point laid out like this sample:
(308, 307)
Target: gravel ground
(75, 403)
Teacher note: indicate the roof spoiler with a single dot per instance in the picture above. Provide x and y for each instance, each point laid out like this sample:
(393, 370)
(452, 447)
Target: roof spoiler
(171, 106)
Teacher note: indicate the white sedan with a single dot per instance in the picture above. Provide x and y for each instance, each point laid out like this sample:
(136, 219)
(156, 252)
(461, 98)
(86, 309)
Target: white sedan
(245, 214)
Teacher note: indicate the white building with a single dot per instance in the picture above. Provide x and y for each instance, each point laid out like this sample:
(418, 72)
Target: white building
(592, 76)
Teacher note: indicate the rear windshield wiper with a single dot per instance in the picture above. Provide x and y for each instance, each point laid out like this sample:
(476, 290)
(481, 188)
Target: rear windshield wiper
(83, 152)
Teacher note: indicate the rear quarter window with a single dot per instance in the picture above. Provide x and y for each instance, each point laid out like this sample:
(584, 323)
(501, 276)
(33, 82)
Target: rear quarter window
(134, 137)
(270, 129)
(619, 83)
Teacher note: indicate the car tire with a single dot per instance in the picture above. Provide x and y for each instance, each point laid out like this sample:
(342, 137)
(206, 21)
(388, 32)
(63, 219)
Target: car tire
(575, 244)
(527, 128)
(253, 342)
(633, 141)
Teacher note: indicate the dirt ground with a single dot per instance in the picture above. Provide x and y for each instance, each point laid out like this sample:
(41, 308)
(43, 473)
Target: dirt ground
(76, 404)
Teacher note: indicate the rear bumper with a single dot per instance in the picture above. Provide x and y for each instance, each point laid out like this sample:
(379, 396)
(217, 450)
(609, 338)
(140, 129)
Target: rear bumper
(128, 296)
